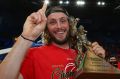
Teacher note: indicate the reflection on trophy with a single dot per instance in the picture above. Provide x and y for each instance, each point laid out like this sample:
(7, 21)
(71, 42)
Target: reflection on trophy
(90, 66)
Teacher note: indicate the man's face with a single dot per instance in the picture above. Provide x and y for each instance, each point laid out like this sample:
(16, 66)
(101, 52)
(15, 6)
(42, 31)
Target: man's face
(58, 27)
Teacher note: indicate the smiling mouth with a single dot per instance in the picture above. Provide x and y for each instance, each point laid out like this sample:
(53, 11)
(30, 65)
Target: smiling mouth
(60, 36)
(60, 33)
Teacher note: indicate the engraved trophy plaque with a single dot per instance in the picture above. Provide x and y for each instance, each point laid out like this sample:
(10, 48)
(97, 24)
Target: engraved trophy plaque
(91, 66)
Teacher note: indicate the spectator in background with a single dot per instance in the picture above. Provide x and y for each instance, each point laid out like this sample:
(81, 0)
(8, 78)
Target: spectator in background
(113, 61)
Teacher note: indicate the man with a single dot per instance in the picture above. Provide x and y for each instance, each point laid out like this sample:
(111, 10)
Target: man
(55, 60)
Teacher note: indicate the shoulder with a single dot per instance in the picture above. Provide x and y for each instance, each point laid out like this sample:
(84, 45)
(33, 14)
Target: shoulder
(35, 50)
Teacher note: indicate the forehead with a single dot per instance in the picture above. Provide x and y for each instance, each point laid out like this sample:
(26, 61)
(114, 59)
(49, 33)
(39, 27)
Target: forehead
(57, 15)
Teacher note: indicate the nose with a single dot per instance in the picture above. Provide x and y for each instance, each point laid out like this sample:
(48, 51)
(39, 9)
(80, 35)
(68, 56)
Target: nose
(58, 24)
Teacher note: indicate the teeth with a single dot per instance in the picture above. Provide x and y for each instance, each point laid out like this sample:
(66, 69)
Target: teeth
(60, 32)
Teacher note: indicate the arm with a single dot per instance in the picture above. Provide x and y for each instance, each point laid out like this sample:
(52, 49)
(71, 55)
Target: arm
(34, 25)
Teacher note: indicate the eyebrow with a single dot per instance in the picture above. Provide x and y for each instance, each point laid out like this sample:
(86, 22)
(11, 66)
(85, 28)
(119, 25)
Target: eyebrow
(58, 18)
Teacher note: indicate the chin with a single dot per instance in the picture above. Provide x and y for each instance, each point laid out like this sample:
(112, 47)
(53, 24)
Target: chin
(61, 41)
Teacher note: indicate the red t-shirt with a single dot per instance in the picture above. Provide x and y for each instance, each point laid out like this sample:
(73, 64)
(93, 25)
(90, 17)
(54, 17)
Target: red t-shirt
(49, 62)
(119, 65)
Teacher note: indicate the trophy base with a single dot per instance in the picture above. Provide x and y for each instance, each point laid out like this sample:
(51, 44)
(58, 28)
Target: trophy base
(85, 75)
(94, 67)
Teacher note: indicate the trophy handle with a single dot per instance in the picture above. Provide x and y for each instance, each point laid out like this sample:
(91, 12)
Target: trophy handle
(82, 41)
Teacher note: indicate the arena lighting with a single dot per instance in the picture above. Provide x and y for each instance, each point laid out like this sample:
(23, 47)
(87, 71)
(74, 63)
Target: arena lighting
(60, 2)
(101, 3)
(47, 1)
(80, 2)
(67, 2)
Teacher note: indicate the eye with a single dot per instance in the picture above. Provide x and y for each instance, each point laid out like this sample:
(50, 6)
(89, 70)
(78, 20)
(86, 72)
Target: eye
(52, 22)
(63, 20)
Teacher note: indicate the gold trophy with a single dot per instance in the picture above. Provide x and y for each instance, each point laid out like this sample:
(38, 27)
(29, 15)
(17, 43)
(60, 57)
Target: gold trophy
(90, 66)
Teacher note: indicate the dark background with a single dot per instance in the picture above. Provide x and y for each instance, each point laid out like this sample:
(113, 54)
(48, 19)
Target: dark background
(101, 22)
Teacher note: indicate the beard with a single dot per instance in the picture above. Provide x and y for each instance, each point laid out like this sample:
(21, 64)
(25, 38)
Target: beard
(57, 41)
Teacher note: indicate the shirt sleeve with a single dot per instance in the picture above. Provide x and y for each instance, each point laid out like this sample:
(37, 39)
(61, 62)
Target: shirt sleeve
(27, 66)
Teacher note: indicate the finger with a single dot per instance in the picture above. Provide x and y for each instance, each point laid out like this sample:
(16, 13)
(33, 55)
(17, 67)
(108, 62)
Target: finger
(44, 7)
(39, 17)
(33, 18)
(42, 16)
(100, 53)
(96, 47)
(94, 44)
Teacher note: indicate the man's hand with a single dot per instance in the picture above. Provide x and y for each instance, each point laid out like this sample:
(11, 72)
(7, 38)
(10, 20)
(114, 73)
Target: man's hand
(98, 50)
(35, 24)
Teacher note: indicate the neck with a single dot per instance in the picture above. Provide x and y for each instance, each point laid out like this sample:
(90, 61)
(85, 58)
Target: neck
(63, 46)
